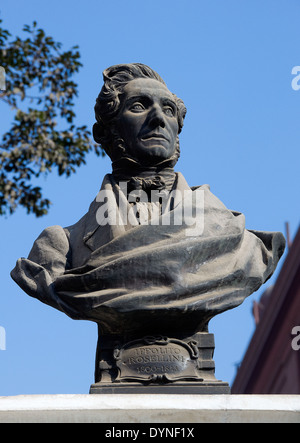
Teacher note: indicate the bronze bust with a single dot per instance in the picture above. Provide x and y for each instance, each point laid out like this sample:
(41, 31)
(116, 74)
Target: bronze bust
(153, 260)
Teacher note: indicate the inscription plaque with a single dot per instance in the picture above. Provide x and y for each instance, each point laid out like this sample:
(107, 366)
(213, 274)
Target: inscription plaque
(157, 359)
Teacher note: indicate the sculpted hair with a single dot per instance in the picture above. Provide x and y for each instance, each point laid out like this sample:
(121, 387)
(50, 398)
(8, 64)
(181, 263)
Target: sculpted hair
(109, 100)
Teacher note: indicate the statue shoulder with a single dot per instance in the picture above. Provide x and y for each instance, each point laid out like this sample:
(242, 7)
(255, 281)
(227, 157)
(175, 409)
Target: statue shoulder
(53, 238)
(203, 187)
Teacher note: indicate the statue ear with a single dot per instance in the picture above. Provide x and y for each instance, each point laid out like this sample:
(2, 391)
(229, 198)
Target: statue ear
(103, 137)
(98, 133)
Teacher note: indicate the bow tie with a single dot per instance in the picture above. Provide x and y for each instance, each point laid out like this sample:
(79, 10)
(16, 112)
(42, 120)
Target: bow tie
(146, 184)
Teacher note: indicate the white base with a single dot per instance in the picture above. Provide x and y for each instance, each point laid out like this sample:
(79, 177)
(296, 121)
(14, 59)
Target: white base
(128, 408)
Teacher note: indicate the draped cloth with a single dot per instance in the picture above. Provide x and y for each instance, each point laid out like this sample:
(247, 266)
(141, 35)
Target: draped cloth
(127, 275)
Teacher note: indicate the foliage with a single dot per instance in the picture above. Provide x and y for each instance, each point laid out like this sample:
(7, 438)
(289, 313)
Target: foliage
(40, 91)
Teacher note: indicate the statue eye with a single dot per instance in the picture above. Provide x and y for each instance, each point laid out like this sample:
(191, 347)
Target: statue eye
(137, 107)
(168, 110)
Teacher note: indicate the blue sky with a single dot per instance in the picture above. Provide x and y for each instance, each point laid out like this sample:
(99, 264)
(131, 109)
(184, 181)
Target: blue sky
(231, 62)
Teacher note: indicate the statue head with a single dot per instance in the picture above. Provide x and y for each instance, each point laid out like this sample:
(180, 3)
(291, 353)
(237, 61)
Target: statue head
(137, 116)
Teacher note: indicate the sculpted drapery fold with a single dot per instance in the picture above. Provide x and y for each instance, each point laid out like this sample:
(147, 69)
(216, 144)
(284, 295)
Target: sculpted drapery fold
(111, 273)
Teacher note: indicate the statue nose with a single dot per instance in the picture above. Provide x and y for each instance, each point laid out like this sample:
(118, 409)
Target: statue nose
(157, 117)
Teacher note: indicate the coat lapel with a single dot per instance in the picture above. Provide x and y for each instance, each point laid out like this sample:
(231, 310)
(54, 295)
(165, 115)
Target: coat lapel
(98, 229)
(104, 218)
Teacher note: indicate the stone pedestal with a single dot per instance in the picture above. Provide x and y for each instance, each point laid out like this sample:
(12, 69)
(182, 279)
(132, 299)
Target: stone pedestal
(152, 409)
(159, 364)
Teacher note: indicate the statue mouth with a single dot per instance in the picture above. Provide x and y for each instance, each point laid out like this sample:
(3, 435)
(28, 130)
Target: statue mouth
(154, 136)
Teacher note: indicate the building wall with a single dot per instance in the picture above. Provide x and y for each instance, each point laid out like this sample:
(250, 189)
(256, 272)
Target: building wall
(271, 365)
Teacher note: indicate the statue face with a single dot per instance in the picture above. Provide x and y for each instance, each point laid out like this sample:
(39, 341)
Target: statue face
(147, 121)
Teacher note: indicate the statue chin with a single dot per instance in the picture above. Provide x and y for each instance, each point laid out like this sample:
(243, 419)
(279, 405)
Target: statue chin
(156, 157)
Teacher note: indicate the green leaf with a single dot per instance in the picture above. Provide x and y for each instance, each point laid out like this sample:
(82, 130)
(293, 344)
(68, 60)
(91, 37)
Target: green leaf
(41, 93)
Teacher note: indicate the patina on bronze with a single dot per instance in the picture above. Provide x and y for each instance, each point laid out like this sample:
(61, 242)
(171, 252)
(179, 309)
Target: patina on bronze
(157, 364)
(140, 263)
